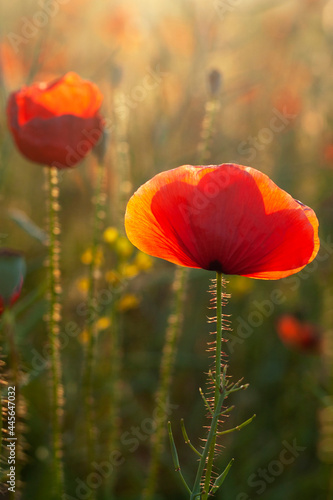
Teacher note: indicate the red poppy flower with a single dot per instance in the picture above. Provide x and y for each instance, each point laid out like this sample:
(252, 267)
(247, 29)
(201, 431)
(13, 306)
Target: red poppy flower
(12, 271)
(227, 218)
(56, 123)
(298, 334)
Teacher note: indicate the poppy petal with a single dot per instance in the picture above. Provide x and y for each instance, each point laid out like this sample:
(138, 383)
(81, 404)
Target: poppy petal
(299, 334)
(227, 218)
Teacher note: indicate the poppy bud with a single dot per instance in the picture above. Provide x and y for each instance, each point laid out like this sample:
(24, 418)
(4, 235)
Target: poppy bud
(57, 123)
(215, 82)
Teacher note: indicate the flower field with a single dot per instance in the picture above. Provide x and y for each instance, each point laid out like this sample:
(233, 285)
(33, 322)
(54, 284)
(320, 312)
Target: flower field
(151, 152)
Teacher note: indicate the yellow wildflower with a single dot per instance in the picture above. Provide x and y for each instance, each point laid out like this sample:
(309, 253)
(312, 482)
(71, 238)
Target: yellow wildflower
(127, 302)
(124, 247)
(143, 261)
(83, 284)
(86, 257)
(239, 286)
(110, 235)
(103, 323)
(129, 270)
(84, 337)
(113, 277)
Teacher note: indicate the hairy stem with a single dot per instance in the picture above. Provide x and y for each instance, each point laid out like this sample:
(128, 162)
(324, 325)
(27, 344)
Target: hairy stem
(54, 316)
(218, 364)
(206, 461)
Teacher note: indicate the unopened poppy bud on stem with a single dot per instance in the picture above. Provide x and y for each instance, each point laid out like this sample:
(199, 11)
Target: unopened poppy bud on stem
(57, 123)
(215, 82)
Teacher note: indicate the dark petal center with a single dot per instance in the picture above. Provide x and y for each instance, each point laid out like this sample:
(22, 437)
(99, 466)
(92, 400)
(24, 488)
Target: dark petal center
(215, 265)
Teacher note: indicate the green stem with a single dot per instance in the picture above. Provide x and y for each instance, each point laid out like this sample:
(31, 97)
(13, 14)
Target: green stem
(207, 452)
(54, 315)
(238, 427)
(186, 438)
(218, 364)
(176, 459)
(328, 357)
(208, 127)
(206, 460)
(167, 364)
(112, 352)
(88, 377)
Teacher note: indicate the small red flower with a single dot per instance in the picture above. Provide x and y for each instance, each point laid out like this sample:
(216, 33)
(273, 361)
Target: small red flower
(298, 334)
(328, 153)
(227, 218)
(12, 271)
(56, 123)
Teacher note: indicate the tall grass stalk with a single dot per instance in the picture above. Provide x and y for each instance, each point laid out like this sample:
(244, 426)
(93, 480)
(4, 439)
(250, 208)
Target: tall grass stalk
(114, 360)
(325, 421)
(175, 322)
(54, 317)
(91, 319)
(208, 126)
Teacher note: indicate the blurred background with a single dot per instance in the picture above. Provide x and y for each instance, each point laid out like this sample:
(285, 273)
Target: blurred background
(271, 101)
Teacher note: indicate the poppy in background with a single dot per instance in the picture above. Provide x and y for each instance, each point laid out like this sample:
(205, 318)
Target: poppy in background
(57, 123)
(227, 218)
(12, 272)
(298, 334)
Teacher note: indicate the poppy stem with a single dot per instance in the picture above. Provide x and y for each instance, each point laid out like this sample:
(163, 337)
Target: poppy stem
(91, 320)
(220, 392)
(166, 368)
(54, 316)
(206, 461)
